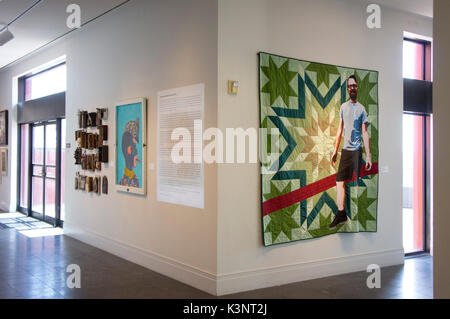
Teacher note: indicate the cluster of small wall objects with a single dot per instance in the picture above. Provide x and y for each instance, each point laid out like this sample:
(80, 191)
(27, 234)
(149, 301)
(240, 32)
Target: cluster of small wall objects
(91, 151)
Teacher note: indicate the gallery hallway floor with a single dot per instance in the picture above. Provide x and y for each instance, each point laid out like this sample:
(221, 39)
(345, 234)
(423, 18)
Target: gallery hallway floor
(36, 268)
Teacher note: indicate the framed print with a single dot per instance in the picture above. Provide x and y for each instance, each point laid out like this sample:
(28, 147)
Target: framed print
(4, 128)
(130, 148)
(4, 161)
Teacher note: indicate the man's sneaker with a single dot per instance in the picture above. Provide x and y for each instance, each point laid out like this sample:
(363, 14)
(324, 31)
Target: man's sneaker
(340, 218)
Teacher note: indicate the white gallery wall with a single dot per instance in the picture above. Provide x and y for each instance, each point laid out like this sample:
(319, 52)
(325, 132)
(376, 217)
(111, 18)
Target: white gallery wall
(148, 46)
(441, 257)
(135, 51)
(327, 31)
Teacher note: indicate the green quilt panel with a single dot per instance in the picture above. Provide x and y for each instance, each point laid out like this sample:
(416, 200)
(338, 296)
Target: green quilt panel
(299, 108)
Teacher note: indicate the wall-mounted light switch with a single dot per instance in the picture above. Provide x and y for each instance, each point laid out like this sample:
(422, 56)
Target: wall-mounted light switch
(233, 87)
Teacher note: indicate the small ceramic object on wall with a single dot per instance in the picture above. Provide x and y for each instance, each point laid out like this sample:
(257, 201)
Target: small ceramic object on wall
(82, 184)
(103, 132)
(4, 128)
(83, 119)
(78, 155)
(103, 153)
(105, 185)
(89, 184)
(4, 161)
(98, 181)
(92, 119)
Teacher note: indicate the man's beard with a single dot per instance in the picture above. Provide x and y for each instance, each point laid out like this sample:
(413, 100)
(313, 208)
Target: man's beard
(353, 95)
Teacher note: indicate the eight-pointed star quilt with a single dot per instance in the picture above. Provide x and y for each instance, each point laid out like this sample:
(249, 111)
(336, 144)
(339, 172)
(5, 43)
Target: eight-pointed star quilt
(300, 109)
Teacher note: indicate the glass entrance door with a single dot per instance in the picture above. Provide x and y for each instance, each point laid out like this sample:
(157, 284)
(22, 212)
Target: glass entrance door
(45, 171)
(37, 163)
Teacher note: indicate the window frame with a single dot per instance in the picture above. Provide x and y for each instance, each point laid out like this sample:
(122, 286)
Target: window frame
(56, 221)
(23, 81)
(426, 118)
(426, 136)
(425, 44)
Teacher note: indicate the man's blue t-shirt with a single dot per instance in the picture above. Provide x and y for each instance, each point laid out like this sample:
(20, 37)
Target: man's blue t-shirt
(354, 116)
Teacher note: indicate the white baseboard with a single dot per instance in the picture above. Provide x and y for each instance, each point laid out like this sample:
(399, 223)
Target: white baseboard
(286, 274)
(169, 267)
(241, 281)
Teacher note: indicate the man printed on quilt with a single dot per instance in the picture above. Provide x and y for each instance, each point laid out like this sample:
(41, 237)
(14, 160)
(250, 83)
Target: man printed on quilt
(353, 123)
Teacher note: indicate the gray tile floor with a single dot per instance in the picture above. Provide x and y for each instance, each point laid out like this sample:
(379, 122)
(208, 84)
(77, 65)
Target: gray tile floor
(35, 268)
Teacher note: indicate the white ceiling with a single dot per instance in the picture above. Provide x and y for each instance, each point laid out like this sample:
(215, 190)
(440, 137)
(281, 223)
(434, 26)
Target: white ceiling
(47, 21)
(43, 24)
(420, 7)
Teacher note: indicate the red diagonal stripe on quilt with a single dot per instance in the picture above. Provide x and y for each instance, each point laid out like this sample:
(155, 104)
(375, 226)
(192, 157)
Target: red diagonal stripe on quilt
(299, 195)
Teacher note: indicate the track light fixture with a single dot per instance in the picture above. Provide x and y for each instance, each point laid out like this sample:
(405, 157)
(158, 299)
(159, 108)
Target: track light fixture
(5, 36)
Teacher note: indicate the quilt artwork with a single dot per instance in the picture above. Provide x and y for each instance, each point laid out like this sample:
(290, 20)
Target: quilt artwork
(300, 109)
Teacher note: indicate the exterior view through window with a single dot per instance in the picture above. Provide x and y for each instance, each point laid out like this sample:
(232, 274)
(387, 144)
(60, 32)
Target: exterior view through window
(416, 142)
